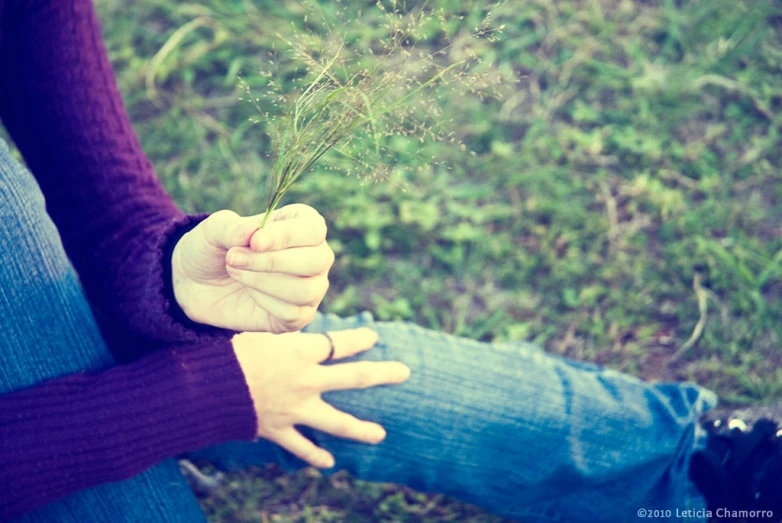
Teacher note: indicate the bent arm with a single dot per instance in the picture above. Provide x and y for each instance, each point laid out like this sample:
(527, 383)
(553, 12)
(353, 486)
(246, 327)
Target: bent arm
(60, 102)
(81, 430)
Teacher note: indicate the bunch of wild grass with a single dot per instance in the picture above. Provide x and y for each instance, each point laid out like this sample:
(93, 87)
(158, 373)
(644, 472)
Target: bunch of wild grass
(351, 99)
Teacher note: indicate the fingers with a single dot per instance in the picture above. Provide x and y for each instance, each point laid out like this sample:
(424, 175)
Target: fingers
(226, 229)
(361, 375)
(292, 441)
(300, 261)
(346, 343)
(290, 316)
(295, 225)
(297, 290)
(326, 418)
(294, 210)
(300, 230)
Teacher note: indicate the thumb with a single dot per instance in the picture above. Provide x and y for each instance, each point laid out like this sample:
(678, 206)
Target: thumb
(226, 229)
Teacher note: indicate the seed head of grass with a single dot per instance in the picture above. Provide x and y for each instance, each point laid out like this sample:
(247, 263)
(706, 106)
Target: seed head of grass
(350, 99)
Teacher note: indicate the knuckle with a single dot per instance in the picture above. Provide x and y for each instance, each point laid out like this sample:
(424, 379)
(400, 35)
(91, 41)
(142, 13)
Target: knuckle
(329, 256)
(299, 324)
(279, 326)
(346, 427)
(321, 261)
(306, 209)
(308, 316)
(323, 288)
(316, 289)
(222, 216)
(214, 226)
(313, 268)
(320, 231)
(239, 229)
(285, 238)
(365, 376)
(311, 296)
(292, 314)
(271, 262)
(306, 384)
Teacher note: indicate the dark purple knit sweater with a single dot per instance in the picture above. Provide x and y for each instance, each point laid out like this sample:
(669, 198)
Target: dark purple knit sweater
(60, 102)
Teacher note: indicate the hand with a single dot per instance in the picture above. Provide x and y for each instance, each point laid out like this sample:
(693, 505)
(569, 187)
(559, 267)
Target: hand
(286, 379)
(228, 273)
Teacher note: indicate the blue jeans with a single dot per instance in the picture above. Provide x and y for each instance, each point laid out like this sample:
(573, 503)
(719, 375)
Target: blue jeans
(524, 434)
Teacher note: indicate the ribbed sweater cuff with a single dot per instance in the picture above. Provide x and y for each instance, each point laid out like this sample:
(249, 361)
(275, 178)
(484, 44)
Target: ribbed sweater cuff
(81, 430)
(175, 313)
(161, 318)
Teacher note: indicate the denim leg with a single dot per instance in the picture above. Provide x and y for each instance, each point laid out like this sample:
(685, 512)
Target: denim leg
(524, 434)
(47, 331)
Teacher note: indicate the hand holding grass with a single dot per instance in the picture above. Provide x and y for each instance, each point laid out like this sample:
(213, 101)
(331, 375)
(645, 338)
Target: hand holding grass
(269, 272)
(228, 273)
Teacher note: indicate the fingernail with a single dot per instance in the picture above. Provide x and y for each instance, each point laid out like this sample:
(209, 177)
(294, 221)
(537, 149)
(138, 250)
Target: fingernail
(404, 373)
(263, 242)
(325, 462)
(238, 259)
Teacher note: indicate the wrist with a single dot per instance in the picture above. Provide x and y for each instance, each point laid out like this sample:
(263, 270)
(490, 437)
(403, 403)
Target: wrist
(178, 287)
(245, 352)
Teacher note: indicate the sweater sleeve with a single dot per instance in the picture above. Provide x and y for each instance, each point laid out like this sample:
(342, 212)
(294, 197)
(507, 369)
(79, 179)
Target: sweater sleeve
(60, 102)
(81, 430)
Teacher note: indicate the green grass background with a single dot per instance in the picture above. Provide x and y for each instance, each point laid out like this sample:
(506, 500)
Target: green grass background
(624, 196)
